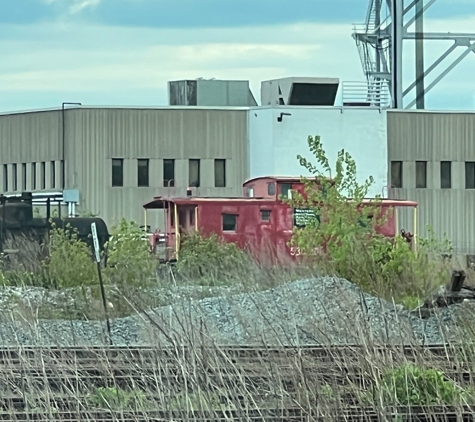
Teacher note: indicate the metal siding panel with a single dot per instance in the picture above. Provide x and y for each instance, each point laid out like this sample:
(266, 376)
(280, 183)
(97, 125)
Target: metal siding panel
(89, 163)
(30, 137)
(94, 136)
(195, 134)
(446, 211)
(431, 136)
(434, 137)
(156, 173)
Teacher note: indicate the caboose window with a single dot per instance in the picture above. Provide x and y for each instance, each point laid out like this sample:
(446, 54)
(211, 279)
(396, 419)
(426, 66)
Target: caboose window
(265, 215)
(284, 189)
(229, 222)
(271, 189)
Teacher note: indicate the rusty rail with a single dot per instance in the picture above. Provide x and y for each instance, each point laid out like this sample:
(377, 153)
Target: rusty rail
(28, 371)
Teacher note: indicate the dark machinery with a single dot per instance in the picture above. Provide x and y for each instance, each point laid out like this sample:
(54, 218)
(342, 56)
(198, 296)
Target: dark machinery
(455, 292)
(21, 232)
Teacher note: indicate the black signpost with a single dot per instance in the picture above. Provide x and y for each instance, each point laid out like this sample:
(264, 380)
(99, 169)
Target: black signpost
(99, 273)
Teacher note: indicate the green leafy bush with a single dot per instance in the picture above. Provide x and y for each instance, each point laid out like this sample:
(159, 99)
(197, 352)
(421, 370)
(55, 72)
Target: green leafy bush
(341, 235)
(69, 262)
(208, 256)
(117, 398)
(410, 385)
(128, 254)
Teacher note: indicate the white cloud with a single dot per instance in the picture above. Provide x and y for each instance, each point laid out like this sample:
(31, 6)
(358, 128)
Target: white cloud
(48, 60)
(99, 57)
(76, 6)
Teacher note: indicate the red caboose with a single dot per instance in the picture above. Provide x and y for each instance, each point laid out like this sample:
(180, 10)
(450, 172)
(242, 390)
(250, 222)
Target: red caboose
(259, 221)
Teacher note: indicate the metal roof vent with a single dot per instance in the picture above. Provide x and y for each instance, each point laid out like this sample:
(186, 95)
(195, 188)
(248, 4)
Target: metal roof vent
(210, 93)
(300, 91)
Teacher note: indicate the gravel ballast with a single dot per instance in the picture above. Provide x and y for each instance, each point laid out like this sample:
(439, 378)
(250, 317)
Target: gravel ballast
(323, 310)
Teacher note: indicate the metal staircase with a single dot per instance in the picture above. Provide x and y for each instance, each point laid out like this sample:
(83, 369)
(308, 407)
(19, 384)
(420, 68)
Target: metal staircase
(380, 44)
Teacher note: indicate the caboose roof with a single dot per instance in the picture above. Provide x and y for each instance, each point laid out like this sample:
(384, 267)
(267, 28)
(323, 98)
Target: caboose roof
(280, 178)
(161, 202)
(392, 202)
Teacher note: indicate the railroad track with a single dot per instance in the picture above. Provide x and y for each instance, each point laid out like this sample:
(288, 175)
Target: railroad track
(428, 414)
(49, 374)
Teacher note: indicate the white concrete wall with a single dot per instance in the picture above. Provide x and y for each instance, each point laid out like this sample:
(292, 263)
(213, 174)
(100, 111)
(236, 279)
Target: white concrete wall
(274, 146)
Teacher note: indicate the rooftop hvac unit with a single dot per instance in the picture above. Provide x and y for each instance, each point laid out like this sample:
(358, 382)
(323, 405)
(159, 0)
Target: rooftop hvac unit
(182, 93)
(210, 93)
(299, 91)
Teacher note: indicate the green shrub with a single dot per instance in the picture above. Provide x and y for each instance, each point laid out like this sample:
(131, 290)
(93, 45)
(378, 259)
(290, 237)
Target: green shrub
(209, 256)
(69, 262)
(117, 398)
(341, 236)
(128, 255)
(410, 385)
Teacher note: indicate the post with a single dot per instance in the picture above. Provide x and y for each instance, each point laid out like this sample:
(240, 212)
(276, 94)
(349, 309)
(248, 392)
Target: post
(177, 232)
(420, 101)
(99, 273)
(415, 230)
(397, 29)
(396, 220)
(3, 202)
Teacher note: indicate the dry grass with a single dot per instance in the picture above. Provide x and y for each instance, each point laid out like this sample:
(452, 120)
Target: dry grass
(183, 375)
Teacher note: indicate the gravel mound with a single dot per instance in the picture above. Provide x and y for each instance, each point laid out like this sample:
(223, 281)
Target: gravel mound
(324, 310)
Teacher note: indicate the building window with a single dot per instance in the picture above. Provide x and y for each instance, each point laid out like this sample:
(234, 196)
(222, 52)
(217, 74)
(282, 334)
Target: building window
(219, 173)
(470, 175)
(194, 173)
(117, 172)
(62, 174)
(445, 174)
(33, 176)
(421, 174)
(229, 222)
(265, 215)
(396, 174)
(5, 177)
(168, 173)
(271, 188)
(43, 175)
(23, 176)
(53, 175)
(14, 177)
(142, 172)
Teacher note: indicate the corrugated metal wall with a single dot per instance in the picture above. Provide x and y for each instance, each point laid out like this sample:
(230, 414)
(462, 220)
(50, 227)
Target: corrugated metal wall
(434, 137)
(30, 137)
(93, 137)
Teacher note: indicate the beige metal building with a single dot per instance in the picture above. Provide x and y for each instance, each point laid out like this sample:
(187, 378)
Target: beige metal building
(119, 158)
(432, 161)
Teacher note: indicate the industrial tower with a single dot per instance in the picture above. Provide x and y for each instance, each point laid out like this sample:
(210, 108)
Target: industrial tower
(380, 44)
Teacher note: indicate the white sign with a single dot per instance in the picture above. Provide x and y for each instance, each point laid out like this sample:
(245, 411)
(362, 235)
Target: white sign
(96, 242)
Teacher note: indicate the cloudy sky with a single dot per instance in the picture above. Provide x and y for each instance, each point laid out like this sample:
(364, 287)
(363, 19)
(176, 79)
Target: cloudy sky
(122, 52)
